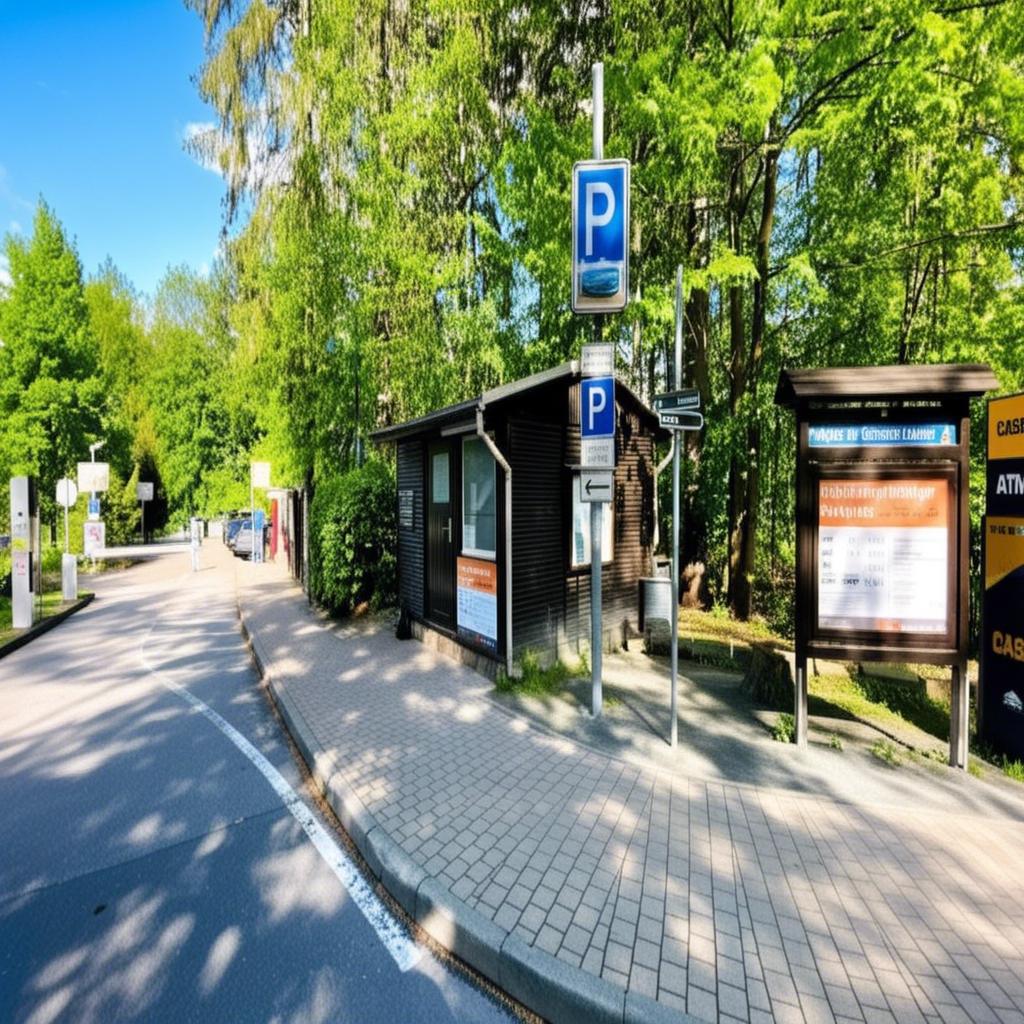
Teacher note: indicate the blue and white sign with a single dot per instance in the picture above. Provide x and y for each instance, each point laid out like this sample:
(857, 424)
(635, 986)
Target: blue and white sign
(94, 508)
(600, 236)
(597, 407)
(881, 435)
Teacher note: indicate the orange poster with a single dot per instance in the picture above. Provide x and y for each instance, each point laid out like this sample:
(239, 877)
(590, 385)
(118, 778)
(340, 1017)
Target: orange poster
(883, 555)
(476, 586)
(883, 503)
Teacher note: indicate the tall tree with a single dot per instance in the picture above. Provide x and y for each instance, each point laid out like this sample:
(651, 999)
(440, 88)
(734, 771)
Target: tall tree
(51, 394)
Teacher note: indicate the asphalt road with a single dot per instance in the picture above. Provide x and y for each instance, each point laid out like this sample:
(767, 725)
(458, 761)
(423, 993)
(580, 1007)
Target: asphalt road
(156, 863)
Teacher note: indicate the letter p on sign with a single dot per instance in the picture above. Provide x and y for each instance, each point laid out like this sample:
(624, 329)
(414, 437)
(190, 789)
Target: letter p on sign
(597, 415)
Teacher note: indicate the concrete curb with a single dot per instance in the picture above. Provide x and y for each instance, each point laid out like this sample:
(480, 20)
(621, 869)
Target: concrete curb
(44, 626)
(546, 985)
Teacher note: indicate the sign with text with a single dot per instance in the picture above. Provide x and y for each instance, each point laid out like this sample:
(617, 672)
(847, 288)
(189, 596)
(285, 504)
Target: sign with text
(600, 236)
(476, 585)
(143, 491)
(406, 509)
(1002, 631)
(880, 435)
(259, 474)
(1002, 639)
(883, 555)
(95, 538)
(598, 360)
(1005, 472)
(93, 476)
(677, 401)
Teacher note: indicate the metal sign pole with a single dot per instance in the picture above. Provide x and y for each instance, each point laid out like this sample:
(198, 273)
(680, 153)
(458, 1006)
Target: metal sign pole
(674, 638)
(67, 545)
(597, 509)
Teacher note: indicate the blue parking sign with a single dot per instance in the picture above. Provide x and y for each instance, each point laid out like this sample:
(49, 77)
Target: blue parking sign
(600, 236)
(597, 407)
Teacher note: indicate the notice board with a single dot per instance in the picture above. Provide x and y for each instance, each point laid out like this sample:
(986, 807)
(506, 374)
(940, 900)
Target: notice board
(883, 555)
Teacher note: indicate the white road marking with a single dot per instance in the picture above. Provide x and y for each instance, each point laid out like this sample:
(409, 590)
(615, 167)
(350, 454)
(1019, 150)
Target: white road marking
(392, 934)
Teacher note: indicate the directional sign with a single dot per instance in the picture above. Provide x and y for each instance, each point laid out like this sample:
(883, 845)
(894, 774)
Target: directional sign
(67, 492)
(600, 236)
(689, 398)
(143, 491)
(596, 485)
(597, 407)
(681, 420)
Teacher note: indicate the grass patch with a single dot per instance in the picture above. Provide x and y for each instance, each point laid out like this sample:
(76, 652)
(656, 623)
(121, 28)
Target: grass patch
(974, 768)
(1013, 769)
(885, 751)
(535, 680)
(784, 729)
(835, 742)
(52, 604)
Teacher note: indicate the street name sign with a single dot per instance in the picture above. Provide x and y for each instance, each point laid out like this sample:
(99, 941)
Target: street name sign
(600, 236)
(677, 401)
(681, 420)
(596, 485)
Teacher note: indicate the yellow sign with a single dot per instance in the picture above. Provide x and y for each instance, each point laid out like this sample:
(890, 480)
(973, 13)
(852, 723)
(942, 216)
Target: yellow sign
(1004, 548)
(1006, 428)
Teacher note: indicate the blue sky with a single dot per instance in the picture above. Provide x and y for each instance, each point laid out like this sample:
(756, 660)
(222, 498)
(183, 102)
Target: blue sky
(95, 99)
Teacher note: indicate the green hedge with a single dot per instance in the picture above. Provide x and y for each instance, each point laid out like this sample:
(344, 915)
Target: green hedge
(352, 539)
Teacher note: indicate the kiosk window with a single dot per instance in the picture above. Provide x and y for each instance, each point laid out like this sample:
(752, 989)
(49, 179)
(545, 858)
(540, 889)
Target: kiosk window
(580, 555)
(478, 499)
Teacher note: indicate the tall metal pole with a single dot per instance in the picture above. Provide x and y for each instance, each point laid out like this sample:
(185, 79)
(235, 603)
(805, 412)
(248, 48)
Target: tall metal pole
(67, 546)
(597, 507)
(677, 383)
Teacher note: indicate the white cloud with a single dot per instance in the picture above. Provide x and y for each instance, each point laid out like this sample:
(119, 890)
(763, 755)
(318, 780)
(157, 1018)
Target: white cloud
(201, 140)
(206, 143)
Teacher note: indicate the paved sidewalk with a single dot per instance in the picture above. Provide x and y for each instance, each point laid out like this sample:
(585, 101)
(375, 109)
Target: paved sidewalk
(573, 877)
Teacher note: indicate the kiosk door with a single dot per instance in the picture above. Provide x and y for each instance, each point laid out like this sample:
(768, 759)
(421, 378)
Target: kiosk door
(440, 534)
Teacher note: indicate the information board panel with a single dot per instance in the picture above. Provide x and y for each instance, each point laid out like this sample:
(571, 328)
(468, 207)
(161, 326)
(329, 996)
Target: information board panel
(476, 584)
(883, 555)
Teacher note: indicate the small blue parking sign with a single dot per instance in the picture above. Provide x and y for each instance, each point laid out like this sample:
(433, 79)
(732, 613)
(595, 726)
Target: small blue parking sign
(600, 236)
(597, 412)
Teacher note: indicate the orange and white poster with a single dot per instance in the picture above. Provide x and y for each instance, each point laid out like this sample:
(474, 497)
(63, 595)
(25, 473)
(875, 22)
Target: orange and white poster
(476, 585)
(883, 555)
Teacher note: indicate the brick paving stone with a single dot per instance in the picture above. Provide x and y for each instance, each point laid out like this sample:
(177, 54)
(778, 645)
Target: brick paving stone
(907, 907)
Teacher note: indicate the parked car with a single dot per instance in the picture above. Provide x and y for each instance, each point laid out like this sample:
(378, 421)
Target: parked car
(231, 530)
(243, 540)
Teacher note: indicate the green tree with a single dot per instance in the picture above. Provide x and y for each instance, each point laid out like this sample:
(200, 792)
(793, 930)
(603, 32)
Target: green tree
(51, 393)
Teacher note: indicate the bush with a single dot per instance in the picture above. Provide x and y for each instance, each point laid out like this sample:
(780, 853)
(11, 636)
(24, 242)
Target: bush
(352, 539)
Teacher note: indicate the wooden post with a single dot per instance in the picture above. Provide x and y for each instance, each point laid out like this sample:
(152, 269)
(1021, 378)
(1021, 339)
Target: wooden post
(959, 716)
(800, 703)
